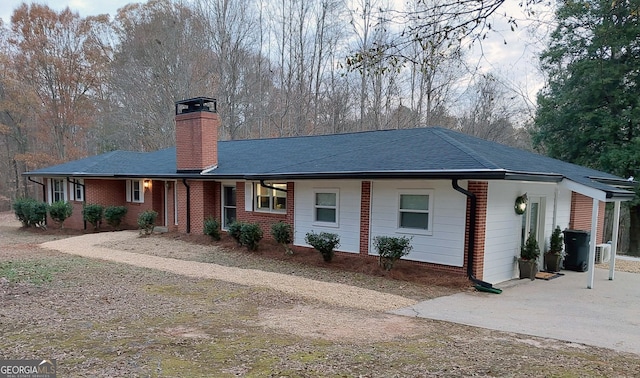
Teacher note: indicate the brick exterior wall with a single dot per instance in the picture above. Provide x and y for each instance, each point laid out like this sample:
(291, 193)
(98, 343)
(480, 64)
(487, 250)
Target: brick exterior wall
(365, 216)
(265, 220)
(580, 219)
(480, 189)
(197, 140)
(203, 204)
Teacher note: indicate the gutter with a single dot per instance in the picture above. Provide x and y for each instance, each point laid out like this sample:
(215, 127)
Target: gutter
(184, 181)
(480, 285)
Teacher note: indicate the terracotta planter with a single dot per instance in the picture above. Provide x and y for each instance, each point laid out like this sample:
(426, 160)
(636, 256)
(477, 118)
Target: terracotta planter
(552, 262)
(528, 268)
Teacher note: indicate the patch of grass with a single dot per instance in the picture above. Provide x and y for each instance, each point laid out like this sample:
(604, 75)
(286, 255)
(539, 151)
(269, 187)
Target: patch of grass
(36, 272)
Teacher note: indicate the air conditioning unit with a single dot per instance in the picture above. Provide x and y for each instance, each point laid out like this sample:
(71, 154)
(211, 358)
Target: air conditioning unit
(603, 253)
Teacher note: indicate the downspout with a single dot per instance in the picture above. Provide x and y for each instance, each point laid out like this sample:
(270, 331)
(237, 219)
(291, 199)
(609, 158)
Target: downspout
(44, 193)
(44, 189)
(480, 285)
(84, 199)
(184, 181)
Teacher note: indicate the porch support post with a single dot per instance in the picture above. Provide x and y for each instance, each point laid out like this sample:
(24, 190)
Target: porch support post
(614, 239)
(592, 244)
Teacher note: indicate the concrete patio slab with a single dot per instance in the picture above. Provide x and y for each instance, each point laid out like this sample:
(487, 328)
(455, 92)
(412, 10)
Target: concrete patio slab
(562, 308)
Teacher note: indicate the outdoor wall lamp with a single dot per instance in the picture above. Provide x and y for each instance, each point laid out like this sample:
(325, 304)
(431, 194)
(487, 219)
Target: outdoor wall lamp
(521, 204)
(147, 184)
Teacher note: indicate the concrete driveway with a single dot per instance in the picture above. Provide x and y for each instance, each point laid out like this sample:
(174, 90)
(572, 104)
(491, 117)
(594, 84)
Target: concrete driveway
(562, 308)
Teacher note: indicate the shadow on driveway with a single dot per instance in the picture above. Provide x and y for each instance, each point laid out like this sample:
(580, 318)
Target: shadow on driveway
(562, 308)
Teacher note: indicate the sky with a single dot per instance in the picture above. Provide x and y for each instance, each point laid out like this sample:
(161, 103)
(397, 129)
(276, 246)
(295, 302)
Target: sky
(515, 61)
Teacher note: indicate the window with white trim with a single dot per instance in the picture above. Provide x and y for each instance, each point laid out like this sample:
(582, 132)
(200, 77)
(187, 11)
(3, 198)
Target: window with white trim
(78, 189)
(135, 191)
(414, 211)
(58, 190)
(270, 199)
(325, 207)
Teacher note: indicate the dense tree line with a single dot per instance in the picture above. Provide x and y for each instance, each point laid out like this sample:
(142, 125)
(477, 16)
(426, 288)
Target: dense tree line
(73, 86)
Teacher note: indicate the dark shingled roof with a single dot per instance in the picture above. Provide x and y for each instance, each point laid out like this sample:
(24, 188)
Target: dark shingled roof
(431, 152)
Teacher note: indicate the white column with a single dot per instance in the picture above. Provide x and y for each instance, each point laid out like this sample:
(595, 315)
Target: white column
(592, 244)
(614, 239)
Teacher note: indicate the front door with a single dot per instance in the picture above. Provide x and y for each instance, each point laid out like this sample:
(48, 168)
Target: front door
(533, 223)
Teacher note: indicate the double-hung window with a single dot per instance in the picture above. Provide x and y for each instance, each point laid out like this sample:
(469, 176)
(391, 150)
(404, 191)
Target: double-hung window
(272, 199)
(58, 190)
(415, 211)
(77, 190)
(325, 208)
(135, 191)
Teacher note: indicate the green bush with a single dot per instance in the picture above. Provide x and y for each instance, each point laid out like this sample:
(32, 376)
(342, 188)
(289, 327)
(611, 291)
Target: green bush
(93, 214)
(30, 213)
(147, 221)
(59, 211)
(212, 228)
(235, 230)
(530, 250)
(324, 242)
(283, 234)
(250, 235)
(390, 249)
(114, 215)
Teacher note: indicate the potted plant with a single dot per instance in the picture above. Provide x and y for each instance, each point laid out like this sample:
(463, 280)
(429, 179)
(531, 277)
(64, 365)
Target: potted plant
(553, 257)
(528, 261)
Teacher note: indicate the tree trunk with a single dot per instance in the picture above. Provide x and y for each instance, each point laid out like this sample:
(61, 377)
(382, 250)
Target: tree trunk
(634, 230)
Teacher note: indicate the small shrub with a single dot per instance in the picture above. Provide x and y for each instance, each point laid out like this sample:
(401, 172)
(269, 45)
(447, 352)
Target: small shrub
(324, 242)
(250, 235)
(93, 214)
(530, 250)
(59, 211)
(30, 213)
(114, 215)
(391, 249)
(235, 230)
(283, 234)
(212, 228)
(147, 221)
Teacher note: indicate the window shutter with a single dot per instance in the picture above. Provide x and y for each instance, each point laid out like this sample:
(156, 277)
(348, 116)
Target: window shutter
(128, 190)
(72, 191)
(248, 196)
(49, 191)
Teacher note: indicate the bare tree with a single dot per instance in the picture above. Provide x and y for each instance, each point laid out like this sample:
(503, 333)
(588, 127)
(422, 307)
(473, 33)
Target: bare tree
(163, 56)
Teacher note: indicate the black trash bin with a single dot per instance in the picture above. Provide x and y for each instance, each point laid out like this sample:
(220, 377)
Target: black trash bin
(576, 247)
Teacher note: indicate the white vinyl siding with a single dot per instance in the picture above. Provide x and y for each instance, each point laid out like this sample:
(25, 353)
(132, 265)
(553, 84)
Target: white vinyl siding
(135, 191)
(347, 225)
(504, 226)
(443, 243)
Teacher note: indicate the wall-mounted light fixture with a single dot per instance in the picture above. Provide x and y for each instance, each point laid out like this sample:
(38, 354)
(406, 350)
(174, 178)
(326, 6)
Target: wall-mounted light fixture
(147, 184)
(521, 204)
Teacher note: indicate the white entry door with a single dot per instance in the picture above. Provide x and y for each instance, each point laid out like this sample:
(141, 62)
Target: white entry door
(533, 223)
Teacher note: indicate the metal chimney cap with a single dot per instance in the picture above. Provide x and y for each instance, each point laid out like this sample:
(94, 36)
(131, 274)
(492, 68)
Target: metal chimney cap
(197, 104)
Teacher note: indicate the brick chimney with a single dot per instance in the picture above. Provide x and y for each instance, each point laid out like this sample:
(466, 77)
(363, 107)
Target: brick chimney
(197, 125)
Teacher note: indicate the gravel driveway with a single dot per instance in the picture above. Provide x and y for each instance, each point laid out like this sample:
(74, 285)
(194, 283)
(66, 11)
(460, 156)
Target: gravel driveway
(89, 245)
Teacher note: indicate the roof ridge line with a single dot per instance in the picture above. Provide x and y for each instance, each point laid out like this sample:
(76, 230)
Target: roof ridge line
(488, 164)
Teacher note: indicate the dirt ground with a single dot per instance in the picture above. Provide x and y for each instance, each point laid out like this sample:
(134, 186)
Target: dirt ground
(102, 319)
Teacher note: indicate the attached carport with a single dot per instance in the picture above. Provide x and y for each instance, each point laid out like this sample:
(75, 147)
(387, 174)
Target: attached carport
(602, 190)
